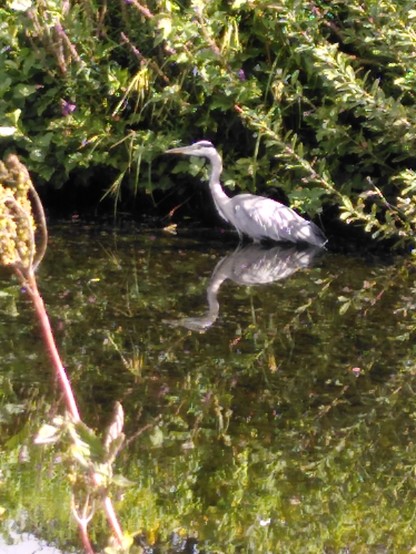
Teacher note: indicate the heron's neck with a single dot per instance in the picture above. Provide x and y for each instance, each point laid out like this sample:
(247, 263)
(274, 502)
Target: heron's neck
(218, 193)
(212, 293)
(216, 168)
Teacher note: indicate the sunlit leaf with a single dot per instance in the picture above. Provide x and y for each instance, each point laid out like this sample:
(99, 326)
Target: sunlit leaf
(156, 437)
(48, 434)
(20, 5)
(121, 481)
(7, 131)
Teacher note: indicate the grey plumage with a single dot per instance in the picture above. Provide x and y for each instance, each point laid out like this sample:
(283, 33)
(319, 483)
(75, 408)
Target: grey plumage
(255, 216)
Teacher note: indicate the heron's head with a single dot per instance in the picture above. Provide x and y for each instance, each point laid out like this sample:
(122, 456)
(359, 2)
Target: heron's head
(202, 148)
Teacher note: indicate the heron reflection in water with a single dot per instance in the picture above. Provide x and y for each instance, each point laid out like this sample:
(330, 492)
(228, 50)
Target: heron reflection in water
(250, 265)
(256, 217)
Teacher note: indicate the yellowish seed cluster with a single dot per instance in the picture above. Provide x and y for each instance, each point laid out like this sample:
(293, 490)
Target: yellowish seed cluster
(17, 226)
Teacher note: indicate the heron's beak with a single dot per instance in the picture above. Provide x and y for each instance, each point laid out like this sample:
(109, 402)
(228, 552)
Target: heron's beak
(180, 150)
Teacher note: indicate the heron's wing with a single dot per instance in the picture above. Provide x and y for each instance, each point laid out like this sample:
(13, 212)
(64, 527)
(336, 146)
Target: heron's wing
(260, 217)
(256, 264)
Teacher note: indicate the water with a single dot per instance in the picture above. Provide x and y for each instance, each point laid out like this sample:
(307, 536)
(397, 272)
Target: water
(268, 393)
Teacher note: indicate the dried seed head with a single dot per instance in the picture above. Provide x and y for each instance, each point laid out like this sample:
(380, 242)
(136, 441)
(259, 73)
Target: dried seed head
(17, 226)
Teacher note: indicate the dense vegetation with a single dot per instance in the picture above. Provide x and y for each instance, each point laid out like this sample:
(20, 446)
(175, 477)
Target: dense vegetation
(316, 99)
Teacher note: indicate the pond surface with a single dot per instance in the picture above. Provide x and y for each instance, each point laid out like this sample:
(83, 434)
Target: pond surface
(268, 393)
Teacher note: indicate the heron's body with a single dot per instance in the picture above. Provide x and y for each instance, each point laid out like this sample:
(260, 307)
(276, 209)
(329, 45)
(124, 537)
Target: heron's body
(254, 216)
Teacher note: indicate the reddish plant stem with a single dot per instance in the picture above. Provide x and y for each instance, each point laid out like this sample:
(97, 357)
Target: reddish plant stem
(85, 540)
(49, 340)
(33, 291)
(25, 271)
(112, 519)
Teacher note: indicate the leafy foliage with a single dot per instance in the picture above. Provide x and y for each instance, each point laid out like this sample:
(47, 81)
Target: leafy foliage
(315, 98)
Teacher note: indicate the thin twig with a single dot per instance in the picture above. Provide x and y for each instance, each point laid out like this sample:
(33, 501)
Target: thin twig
(41, 221)
(144, 10)
(140, 432)
(142, 59)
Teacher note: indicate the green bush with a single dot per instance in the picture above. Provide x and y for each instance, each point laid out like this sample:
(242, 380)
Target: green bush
(315, 98)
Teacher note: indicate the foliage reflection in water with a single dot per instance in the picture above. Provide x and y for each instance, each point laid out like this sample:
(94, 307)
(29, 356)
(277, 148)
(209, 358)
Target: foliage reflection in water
(287, 426)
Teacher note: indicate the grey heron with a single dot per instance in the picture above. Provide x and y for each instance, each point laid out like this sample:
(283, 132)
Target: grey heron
(255, 216)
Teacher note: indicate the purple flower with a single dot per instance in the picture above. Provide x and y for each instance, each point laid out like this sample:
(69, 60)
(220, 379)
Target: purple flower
(59, 29)
(67, 108)
(241, 75)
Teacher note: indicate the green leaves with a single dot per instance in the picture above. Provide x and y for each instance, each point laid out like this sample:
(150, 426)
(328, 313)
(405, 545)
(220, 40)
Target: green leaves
(326, 96)
(86, 452)
(23, 90)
